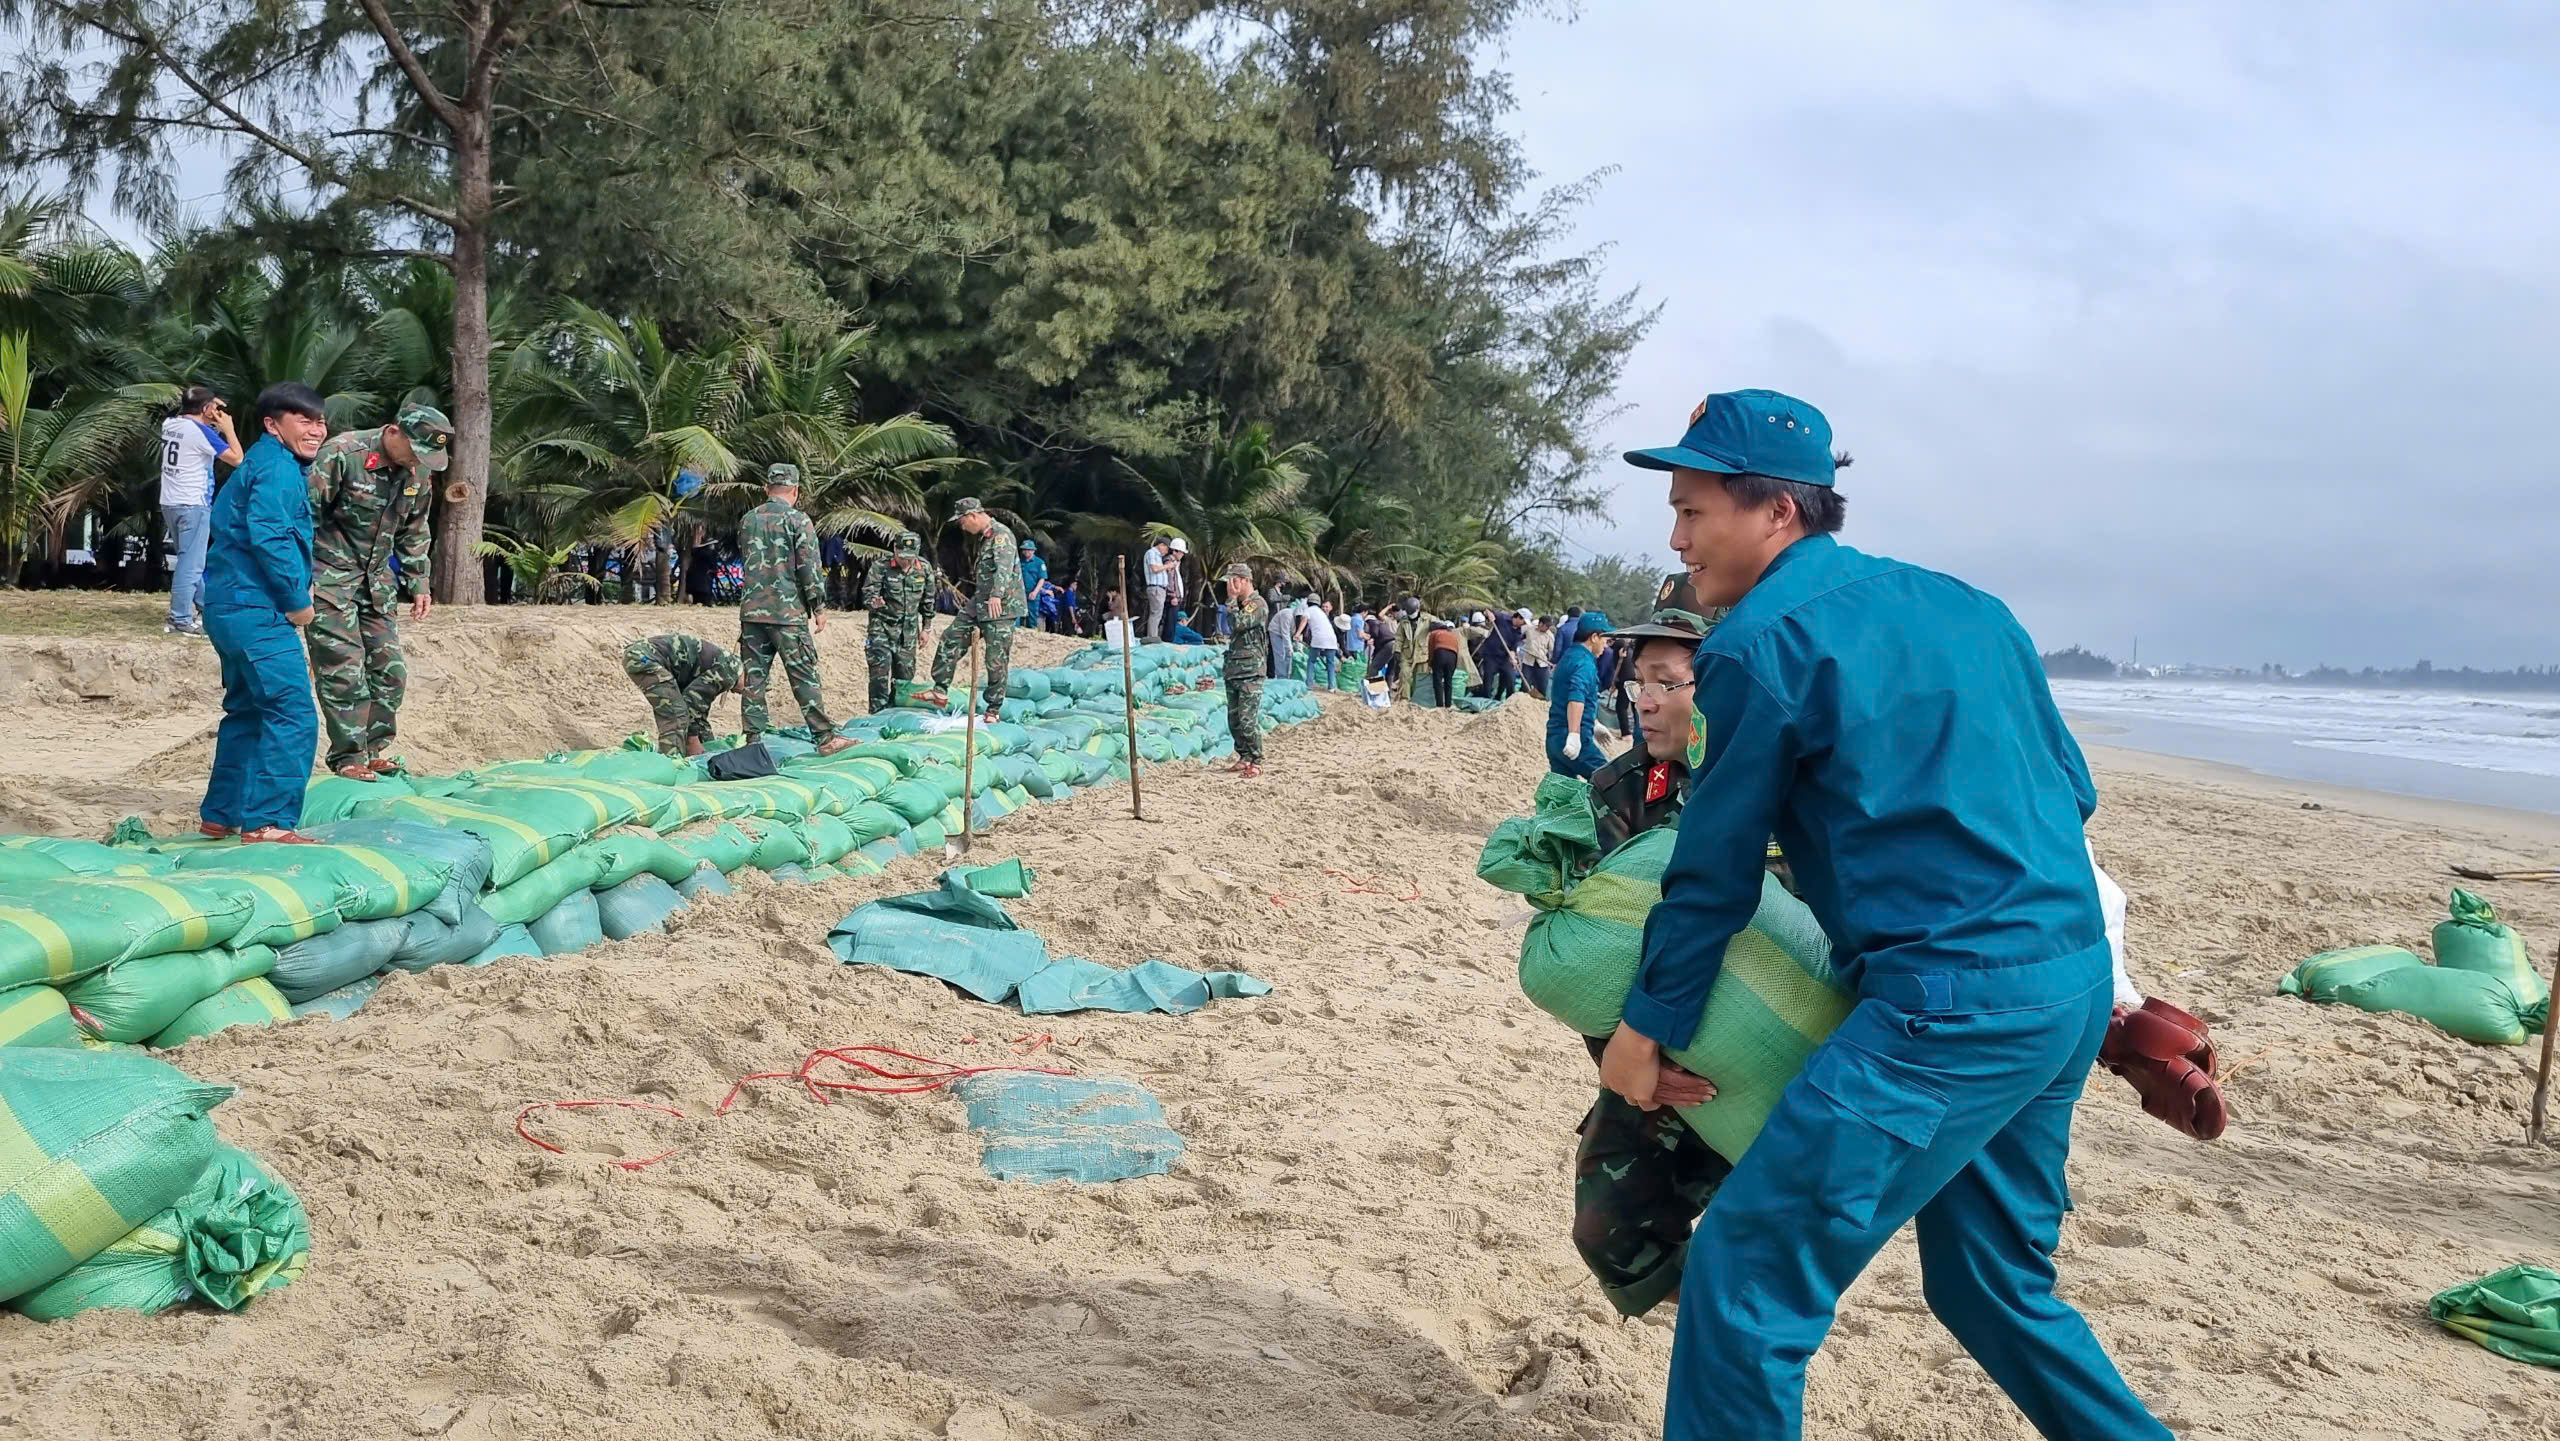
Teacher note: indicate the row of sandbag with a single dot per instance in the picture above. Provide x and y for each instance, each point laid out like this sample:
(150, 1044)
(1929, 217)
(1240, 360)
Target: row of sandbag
(115, 1193)
(169, 940)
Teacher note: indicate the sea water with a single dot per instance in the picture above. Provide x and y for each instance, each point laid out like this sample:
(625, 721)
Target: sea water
(2501, 749)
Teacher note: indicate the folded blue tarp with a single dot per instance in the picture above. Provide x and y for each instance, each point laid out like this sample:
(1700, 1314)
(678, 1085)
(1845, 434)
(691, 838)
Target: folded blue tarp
(957, 935)
(1068, 1128)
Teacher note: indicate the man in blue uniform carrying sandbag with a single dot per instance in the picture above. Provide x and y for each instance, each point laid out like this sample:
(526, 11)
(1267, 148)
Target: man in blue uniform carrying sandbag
(1892, 728)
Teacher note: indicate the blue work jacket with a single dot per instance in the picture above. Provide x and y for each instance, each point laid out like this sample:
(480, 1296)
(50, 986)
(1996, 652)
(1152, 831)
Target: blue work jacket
(1577, 679)
(1892, 728)
(258, 536)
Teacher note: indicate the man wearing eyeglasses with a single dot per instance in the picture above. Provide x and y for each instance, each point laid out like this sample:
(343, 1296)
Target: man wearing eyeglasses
(1644, 788)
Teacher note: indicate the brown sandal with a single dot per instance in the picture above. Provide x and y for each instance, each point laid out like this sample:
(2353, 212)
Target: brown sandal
(211, 831)
(835, 745)
(385, 767)
(276, 836)
(356, 771)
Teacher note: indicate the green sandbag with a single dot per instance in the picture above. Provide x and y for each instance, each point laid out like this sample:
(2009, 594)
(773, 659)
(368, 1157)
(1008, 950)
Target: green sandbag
(647, 767)
(2514, 1312)
(562, 803)
(724, 848)
(537, 893)
(464, 856)
(884, 852)
(2479, 1008)
(59, 930)
(718, 800)
(705, 881)
(17, 863)
(284, 905)
(369, 883)
(324, 963)
(138, 999)
(621, 802)
(516, 845)
(92, 1144)
(913, 800)
(1772, 1002)
(788, 875)
(430, 942)
(1027, 685)
(236, 1233)
(341, 1003)
(1538, 855)
(242, 1003)
(1005, 880)
(827, 837)
(630, 853)
(930, 834)
(778, 845)
(36, 1016)
(512, 941)
(569, 927)
(840, 790)
(875, 773)
(335, 798)
(639, 904)
(2474, 939)
(872, 821)
(770, 798)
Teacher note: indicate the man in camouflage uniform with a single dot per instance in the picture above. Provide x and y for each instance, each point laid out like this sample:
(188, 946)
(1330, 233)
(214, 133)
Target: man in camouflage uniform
(782, 606)
(1641, 1179)
(994, 605)
(371, 491)
(899, 596)
(684, 677)
(1245, 646)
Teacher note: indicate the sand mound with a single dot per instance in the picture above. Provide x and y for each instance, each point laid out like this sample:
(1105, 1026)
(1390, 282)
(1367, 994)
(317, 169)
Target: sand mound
(1367, 1238)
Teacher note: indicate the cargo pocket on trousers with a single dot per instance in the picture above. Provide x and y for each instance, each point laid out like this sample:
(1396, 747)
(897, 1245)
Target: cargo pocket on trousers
(1887, 1116)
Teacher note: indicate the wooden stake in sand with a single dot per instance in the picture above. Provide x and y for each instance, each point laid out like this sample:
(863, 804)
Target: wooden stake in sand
(2542, 1083)
(969, 750)
(1129, 689)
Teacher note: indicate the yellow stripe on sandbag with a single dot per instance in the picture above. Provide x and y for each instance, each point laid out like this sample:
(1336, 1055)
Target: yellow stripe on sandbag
(297, 908)
(383, 866)
(1610, 896)
(34, 1006)
(45, 932)
(56, 1191)
(193, 928)
(539, 843)
(269, 999)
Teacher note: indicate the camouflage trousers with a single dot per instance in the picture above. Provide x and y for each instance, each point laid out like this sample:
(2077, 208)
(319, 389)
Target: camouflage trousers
(1641, 1180)
(758, 643)
(889, 650)
(1244, 716)
(998, 636)
(356, 664)
(676, 713)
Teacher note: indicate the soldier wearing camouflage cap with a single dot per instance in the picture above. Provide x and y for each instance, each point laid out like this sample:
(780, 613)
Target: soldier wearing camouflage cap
(683, 677)
(371, 492)
(899, 595)
(1245, 646)
(782, 608)
(991, 613)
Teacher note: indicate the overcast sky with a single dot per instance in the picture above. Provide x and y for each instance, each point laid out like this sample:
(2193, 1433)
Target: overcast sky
(2220, 326)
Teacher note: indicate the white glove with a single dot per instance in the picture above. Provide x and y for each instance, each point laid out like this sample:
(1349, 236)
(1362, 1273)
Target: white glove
(1573, 748)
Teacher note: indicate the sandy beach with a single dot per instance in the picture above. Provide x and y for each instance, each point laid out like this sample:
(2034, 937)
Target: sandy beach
(1367, 1237)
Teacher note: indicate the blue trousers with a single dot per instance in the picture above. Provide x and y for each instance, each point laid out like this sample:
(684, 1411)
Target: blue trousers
(270, 728)
(1944, 1098)
(188, 526)
(1584, 765)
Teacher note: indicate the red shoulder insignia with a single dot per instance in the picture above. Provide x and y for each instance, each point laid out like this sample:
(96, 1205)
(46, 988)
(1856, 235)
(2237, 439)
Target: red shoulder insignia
(1657, 781)
(372, 460)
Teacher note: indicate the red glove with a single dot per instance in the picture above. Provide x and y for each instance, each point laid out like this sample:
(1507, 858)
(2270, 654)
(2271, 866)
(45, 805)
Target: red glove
(2167, 1056)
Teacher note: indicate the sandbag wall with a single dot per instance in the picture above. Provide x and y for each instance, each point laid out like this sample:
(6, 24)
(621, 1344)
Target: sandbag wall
(152, 942)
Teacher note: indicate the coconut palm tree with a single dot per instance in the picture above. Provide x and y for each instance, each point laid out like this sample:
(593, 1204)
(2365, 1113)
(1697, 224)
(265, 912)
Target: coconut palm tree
(55, 460)
(1449, 572)
(857, 478)
(1240, 499)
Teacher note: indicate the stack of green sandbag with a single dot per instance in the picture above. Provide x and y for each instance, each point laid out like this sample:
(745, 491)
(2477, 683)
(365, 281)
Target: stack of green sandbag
(2482, 988)
(114, 1192)
(1772, 1003)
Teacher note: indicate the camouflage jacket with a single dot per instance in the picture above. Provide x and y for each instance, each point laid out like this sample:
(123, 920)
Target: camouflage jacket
(778, 550)
(686, 658)
(1250, 639)
(365, 511)
(899, 585)
(1631, 795)
(995, 591)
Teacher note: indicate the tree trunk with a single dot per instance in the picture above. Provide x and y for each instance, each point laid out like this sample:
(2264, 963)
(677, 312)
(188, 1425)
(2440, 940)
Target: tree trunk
(465, 507)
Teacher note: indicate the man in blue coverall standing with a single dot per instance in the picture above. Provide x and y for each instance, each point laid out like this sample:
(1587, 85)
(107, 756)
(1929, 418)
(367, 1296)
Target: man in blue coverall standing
(257, 599)
(1573, 701)
(1892, 728)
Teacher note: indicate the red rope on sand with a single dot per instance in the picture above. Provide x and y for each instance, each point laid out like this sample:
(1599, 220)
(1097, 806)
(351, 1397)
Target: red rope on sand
(940, 1074)
(1368, 886)
(521, 1117)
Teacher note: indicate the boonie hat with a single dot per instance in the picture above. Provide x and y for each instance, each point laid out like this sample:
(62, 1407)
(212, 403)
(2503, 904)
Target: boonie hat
(1750, 432)
(1669, 623)
(430, 435)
